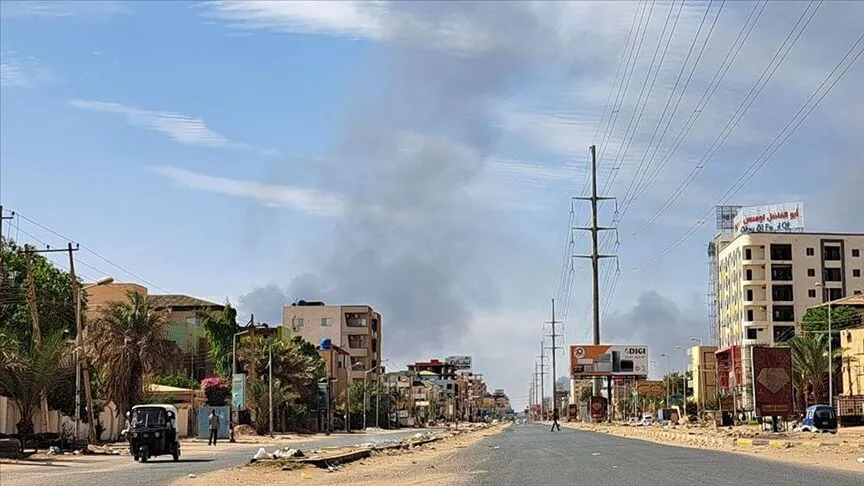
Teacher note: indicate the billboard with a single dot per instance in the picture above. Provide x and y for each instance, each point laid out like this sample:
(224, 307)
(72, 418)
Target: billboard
(771, 218)
(725, 216)
(459, 362)
(238, 391)
(608, 360)
(651, 389)
(772, 380)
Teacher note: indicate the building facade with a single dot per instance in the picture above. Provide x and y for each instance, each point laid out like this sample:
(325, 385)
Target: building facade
(766, 281)
(356, 328)
(704, 375)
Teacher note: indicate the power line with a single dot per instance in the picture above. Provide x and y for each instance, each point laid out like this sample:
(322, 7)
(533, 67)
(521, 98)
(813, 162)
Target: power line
(778, 141)
(743, 108)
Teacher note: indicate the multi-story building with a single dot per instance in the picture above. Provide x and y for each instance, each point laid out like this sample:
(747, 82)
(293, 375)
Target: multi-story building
(184, 328)
(356, 328)
(704, 372)
(765, 283)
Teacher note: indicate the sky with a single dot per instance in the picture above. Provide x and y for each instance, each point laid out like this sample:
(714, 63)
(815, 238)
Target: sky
(422, 157)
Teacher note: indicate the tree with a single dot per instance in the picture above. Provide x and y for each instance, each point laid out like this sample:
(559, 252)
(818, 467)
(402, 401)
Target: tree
(810, 365)
(34, 373)
(54, 301)
(842, 317)
(128, 341)
(219, 330)
(217, 390)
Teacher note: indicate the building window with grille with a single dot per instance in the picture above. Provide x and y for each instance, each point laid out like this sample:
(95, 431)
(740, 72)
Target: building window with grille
(297, 323)
(811, 293)
(811, 272)
(783, 313)
(831, 253)
(856, 272)
(326, 322)
(833, 275)
(856, 252)
(811, 252)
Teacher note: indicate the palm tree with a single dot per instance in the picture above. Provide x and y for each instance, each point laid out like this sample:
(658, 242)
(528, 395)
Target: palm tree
(30, 375)
(127, 342)
(219, 329)
(810, 365)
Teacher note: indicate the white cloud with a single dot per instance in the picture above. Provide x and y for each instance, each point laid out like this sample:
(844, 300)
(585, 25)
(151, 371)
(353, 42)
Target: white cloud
(184, 129)
(63, 9)
(299, 199)
(11, 73)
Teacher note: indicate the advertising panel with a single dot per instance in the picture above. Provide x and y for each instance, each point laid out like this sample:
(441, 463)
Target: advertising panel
(771, 218)
(651, 389)
(459, 362)
(772, 379)
(608, 360)
(238, 391)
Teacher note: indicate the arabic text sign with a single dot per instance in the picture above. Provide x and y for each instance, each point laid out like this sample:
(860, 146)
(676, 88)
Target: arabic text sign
(772, 378)
(459, 362)
(608, 360)
(772, 218)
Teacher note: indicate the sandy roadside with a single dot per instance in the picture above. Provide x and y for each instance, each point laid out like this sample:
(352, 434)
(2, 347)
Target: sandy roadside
(407, 468)
(841, 458)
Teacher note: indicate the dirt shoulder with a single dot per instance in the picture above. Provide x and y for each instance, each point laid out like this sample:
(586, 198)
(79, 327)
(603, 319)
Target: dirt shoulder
(392, 468)
(835, 452)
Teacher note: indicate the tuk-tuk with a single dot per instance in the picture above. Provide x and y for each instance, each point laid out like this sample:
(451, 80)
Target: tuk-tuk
(819, 418)
(153, 432)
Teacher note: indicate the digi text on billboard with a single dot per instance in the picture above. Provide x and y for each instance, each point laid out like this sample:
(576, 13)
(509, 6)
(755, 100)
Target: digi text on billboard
(589, 360)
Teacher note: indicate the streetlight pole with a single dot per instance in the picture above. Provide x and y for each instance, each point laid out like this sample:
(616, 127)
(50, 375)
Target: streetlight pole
(270, 370)
(378, 393)
(365, 399)
(683, 378)
(235, 414)
(827, 298)
(668, 375)
(78, 344)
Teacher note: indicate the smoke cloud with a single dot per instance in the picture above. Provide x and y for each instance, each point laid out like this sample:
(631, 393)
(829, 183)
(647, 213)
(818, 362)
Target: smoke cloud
(416, 239)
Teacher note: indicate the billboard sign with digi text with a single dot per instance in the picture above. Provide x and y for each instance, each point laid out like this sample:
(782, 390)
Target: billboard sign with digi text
(589, 360)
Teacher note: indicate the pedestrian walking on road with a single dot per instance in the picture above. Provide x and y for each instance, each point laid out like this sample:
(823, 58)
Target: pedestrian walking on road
(555, 421)
(213, 423)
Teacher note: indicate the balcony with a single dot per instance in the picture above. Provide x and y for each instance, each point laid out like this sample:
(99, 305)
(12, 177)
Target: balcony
(754, 254)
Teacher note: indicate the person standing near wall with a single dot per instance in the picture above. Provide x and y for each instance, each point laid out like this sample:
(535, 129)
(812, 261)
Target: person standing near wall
(213, 423)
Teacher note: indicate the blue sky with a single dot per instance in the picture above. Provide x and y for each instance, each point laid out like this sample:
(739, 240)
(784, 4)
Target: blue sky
(419, 157)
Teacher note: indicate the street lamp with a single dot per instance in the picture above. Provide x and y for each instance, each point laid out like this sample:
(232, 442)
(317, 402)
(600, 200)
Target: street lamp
(683, 376)
(668, 375)
(365, 400)
(378, 394)
(826, 298)
(697, 340)
(78, 344)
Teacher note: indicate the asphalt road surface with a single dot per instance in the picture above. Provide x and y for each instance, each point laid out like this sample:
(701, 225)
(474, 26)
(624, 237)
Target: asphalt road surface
(195, 459)
(531, 455)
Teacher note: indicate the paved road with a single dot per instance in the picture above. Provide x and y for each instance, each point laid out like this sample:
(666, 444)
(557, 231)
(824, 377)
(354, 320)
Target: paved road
(531, 455)
(195, 459)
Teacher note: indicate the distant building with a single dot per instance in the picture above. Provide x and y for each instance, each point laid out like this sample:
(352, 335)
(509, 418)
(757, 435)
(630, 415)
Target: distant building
(336, 363)
(356, 328)
(704, 374)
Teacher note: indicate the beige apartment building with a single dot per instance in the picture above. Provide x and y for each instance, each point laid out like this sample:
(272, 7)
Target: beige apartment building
(356, 328)
(766, 281)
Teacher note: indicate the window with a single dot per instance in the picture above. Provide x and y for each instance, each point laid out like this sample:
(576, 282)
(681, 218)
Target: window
(781, 252)
(374, 344)
(834, 294)
(749, 274)
(355, 320)
(856, 252)
(811, 252)
(833, 275)
(811, 272)
(783, 313)
(856, 272)
(297, 323)
(749, 315)
(781, 272)
(831, 253)
(748, 254)
(749, 295)
(192, 321)
(326, 322)
(781, 293)
(811, 293)
(783, 333)
(357, 341)
(751, 333)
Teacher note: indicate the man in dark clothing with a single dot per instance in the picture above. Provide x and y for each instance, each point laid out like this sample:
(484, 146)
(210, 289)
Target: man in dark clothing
(555, 421)
(213, 422)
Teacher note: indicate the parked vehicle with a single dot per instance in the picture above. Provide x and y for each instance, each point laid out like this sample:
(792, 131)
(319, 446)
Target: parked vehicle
(819, 418)
(153, 432)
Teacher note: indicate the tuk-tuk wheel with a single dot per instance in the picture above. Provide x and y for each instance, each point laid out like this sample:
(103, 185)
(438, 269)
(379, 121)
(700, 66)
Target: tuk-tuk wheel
(135, 457)
(176, 456)
(144, 457)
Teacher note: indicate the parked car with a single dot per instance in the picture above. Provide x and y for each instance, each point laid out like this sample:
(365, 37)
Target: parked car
(819, 418)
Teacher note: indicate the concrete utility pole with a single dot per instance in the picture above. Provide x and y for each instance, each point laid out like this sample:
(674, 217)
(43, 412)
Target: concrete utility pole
(554, 350)
(542, 380)
(595, 255)
(2, 218)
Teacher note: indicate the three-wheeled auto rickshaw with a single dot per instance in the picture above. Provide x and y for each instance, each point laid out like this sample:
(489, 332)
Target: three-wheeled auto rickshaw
(153, 432)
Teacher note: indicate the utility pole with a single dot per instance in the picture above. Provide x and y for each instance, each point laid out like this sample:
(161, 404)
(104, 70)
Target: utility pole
(542, 380)
(554, 350)
(37, 328)
(2, 218)
(76, 295)
(595, 255)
